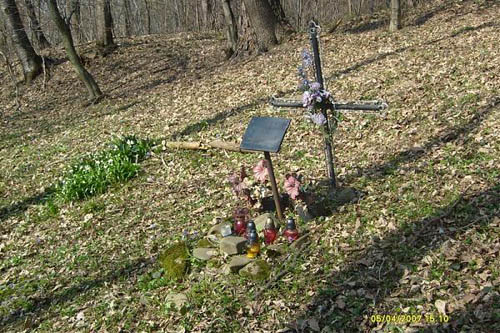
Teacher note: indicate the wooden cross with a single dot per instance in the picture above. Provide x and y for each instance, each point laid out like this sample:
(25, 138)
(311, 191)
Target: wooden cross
(327, 105)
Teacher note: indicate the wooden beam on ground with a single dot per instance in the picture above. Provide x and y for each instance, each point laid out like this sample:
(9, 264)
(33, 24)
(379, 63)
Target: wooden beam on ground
(198, 145)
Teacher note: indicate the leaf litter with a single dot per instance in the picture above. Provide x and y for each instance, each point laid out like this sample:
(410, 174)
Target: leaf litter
(423, 239)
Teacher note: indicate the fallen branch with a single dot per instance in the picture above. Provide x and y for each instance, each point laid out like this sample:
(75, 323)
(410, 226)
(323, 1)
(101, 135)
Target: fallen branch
(287, 264)
(198, 145)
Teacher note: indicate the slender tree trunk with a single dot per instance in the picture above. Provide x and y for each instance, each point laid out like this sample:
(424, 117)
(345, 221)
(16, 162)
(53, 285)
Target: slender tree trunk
(263, 24)
(104, 40)
(148, 17)
(206, 13)
(92, 87)
(128, 25)
(31, 62)
(231, 27)
(73, 9)
(35, 26)
(299, 14)
(395, 16)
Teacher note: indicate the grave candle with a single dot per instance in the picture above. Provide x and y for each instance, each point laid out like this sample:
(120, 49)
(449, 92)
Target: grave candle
(291, 233)
(240, 221)
(250, 227)
(270, 232)
(253, 245)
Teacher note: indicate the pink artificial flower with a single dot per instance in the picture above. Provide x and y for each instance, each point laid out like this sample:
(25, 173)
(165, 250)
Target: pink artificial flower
(237, 181)
(260, 171)
(292, 186)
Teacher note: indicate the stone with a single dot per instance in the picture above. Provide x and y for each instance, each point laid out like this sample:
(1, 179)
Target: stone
(238, 262)
(276, 250)
(174, 261)
(226, 270)
(300, 242)
(345, 195)
(178, 299)
(216, 229)
(303, 212)
(257, 270)
(204, 253)
(260, 221)
(204, 243)
(233, 245)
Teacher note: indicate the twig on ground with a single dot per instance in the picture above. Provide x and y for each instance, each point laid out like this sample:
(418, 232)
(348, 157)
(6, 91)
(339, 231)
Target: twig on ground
(287, 264)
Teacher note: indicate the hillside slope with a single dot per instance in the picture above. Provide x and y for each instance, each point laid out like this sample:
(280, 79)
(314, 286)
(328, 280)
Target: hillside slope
(423, 238)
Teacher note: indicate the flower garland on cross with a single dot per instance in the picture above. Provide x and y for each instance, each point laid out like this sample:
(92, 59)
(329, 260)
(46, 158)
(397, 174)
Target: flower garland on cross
(314, 97)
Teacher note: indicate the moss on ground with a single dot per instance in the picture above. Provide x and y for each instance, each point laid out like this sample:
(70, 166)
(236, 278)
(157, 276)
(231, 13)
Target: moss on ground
(175, 261)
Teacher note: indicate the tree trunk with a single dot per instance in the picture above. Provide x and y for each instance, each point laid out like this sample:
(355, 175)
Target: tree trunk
(128, 25)
(284, 25)
(263, 24)
(148, 17)
(395, 16)
(299, 14)
(31, 62)
(104, 25)
(92, 87)
(231, 27)
(206, 13)
(35, 26)
(73, 9)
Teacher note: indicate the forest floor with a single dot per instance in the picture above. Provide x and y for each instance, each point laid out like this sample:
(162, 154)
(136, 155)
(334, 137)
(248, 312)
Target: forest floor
(423, 239)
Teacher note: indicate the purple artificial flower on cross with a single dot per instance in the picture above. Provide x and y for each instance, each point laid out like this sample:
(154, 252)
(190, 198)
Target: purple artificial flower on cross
(315, 86)
(306, 59)
(318, 118)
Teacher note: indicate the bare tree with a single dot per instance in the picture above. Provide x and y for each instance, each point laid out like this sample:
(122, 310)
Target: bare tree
(395, 15)
(148, 17)
(73, 13)
(260, 34)
(30, 61)
(104, 25)
(128, 23)
(206, 14)
(35, 26)
(93, 89)
(231, 27)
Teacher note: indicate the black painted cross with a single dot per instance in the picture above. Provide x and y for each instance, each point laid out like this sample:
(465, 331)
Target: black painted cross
(314, 30)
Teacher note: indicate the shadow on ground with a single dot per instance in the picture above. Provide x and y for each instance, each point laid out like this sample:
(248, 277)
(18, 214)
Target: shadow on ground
(375, 272)
(39, 305)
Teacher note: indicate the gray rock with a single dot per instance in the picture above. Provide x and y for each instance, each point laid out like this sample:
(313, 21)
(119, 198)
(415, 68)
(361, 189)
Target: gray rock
(300, 242)
(233, 245)
(256, 270)
(345, 195)
(276, 250)
(204, 253)
(260, 221)
(216, 229)
(238, 262)
(178, 299)
(304, 213)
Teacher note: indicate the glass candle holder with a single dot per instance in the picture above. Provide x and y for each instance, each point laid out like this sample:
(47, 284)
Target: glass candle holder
(270, 232)
(240, 221)
(291, 233)
(253, 245)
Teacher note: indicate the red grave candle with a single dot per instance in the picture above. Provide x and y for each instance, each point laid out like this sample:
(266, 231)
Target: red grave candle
(270, 232)
(240, 221)
(291, 233)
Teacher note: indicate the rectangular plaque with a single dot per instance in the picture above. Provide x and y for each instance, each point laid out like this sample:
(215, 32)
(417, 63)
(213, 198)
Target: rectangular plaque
(265, 134)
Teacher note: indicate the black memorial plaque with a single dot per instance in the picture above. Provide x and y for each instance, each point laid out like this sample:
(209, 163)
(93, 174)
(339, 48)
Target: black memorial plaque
(265, 134)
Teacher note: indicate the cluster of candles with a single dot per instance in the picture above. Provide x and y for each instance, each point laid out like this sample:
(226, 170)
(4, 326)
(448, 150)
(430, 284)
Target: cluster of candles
(248, 230)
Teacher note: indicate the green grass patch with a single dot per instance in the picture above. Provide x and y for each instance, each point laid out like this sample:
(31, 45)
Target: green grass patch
(94, 173)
